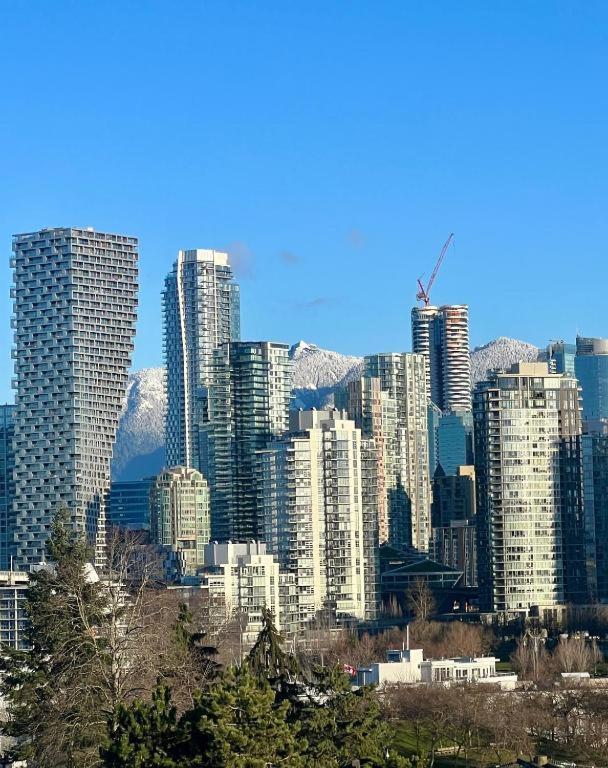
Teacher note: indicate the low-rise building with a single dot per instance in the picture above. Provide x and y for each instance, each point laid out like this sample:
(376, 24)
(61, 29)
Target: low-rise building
(13, 617)
(245, 580)
(410, 666)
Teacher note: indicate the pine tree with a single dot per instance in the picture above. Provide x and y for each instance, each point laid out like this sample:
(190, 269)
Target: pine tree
(52, 690)
(344, 727)
(237, 723)
(145, 735)
(267, 660)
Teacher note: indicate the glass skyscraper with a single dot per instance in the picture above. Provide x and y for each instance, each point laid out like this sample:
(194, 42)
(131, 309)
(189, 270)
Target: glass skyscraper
(75, 293)
(560, 357)
(201, 311)
(455, 441)
(248, 404)
(129, 504)
(591, 366)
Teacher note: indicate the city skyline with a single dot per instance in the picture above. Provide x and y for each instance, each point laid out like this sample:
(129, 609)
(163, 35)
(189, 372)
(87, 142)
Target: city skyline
(378, 162)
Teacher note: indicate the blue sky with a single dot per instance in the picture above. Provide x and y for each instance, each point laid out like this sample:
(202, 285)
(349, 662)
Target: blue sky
(332, 146)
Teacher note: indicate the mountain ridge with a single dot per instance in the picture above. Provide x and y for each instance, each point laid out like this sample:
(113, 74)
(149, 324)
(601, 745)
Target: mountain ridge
(317, 373)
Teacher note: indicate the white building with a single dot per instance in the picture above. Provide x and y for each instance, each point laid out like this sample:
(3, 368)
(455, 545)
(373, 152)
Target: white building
(75, 293)
(441, 334)
(245, 579)
(311, 503)
(406, 443)
(409, 666)
(201, 310)
(529, 474)
(13, 615)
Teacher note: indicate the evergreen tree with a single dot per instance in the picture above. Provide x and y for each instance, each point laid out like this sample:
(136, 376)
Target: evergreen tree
(145, 735)
(343, 727)
(268, 661)
(52, 690)
(237, 723)
(192, 641)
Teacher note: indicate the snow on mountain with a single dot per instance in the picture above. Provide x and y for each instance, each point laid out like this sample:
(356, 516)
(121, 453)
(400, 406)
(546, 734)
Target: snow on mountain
(317, 373)
(315, 368)
(139, 450)
(500, 353)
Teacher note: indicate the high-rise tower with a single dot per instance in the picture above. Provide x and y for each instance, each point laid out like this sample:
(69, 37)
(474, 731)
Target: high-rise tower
(529, 489)
(74, 318)
(314, 513)
(591, 368)
(405, 441)
(201, 310)
(7, 486)
(249, 398)
(441, 334)
(179, 515)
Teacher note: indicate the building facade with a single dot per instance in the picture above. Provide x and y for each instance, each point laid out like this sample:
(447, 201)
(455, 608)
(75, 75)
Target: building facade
(560, 357)
(244, 580)
(201, 311)
(13, 611)
(375, 414)
(441, 335)
(454, 496)
(75, 300)
(249, 400)
(179, 516)
(455, 441)
(312, 501)
(455, 545)
(529, 489)
(7, 486)
(595, 483)
(129, 504)
(405, 435)
(591, 368)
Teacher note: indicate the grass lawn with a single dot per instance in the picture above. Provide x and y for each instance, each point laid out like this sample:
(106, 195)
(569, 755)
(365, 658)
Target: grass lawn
(405, 744)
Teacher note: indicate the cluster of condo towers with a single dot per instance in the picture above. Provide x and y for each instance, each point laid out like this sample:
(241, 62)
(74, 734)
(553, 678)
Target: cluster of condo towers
(323, 489)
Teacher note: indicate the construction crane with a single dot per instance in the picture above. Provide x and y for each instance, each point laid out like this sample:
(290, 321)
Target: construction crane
(424, 293)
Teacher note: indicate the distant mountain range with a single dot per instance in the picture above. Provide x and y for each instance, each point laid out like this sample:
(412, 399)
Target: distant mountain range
(139, 450)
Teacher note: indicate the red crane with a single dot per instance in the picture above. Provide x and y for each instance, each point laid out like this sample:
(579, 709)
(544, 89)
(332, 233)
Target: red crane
(424, 293)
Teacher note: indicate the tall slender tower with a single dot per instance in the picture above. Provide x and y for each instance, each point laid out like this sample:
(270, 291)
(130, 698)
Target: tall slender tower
(201, 310)
(441, 334)
(74, 318)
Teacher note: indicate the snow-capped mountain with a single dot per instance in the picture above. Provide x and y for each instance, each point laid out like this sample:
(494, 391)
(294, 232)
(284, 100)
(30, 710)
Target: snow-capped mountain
(317, 373)
(500, 353)
(314, 368)
(140, 449)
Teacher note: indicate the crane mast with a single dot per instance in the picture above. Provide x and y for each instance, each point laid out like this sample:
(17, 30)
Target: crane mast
(423, 293)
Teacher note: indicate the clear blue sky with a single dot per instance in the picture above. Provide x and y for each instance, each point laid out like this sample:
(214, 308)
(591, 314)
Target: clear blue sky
(331, 145)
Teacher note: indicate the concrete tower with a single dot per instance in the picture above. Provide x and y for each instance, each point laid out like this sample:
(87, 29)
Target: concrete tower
(441, 334)
(74, 318)
(529, 489)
